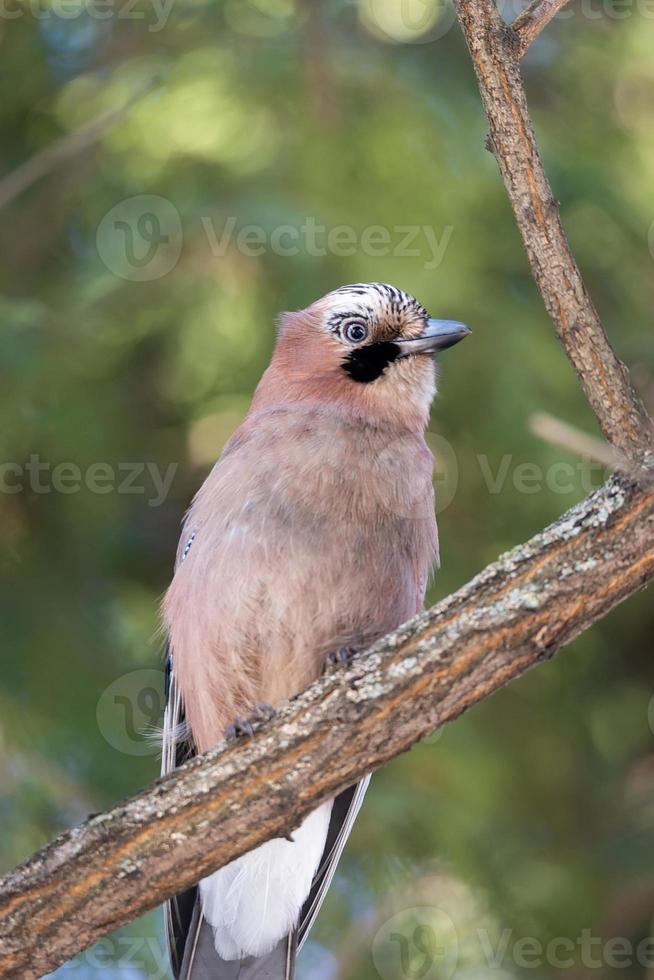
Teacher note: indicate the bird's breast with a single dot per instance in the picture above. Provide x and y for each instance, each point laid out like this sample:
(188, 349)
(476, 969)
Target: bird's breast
(310, 534)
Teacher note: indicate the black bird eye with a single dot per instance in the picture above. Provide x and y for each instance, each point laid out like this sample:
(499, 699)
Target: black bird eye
(355, 332)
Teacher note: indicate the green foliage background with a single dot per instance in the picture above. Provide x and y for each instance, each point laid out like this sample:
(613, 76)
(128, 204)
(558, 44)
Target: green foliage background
(531, 814)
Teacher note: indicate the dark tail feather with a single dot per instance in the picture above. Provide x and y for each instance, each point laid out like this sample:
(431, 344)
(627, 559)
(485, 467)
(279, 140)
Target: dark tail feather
(201, 961)
(179, 917)
(344, 812)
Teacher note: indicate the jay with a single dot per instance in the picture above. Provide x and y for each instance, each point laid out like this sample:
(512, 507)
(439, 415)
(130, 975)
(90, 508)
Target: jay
(313, 535)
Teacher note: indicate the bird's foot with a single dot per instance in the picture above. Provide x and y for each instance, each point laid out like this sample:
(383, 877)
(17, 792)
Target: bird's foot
(244, 727)
(342, 656)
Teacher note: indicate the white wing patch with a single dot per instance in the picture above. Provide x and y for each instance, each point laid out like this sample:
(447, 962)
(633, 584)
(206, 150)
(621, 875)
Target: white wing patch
(254, 901)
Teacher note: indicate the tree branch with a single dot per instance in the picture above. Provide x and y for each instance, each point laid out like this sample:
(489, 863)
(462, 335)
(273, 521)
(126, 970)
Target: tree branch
(64, 149)
(605, 380)
(559, 433)
(515, 614)
(535, 18)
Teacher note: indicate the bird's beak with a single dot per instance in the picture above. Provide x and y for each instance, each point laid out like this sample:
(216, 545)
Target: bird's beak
(437, 335)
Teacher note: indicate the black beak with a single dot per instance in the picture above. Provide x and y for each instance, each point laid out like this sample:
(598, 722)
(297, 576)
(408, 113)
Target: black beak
(437, 335)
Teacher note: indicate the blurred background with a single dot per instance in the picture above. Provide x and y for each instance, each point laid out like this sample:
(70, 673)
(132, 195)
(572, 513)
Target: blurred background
(173, 173)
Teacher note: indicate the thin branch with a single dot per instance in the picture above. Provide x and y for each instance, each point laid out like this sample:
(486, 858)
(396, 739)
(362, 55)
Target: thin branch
(559, 433)
(534, 19)
(64, 149)
(315, 40)
(605, 380)
(514, 615)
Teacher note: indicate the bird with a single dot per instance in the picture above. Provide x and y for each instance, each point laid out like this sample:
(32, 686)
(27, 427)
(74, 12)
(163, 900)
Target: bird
(313, 536)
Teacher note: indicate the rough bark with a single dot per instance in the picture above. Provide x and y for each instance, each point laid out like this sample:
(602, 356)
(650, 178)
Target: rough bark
(528, 25)
(515, 614)
(495, 51)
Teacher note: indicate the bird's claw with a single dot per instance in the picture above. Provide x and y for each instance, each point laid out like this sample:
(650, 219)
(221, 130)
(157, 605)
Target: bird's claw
(244, 727)
(342, 656)
(239, 728)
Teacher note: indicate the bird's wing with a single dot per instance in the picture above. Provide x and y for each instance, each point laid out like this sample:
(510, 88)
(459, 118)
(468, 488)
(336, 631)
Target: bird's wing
(344, 812)
(176, 748)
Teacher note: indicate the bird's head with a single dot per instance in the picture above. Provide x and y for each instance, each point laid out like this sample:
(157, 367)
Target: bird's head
(368, 347)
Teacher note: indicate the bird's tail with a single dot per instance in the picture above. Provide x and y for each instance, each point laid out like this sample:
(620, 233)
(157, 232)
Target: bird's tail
(246, 914)
(276, 890)
(202, 962)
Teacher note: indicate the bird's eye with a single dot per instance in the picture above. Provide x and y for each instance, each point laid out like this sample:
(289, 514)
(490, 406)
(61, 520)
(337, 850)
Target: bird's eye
(355, 332)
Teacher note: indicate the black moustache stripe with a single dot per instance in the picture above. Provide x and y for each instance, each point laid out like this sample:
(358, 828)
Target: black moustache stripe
(365, 364)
